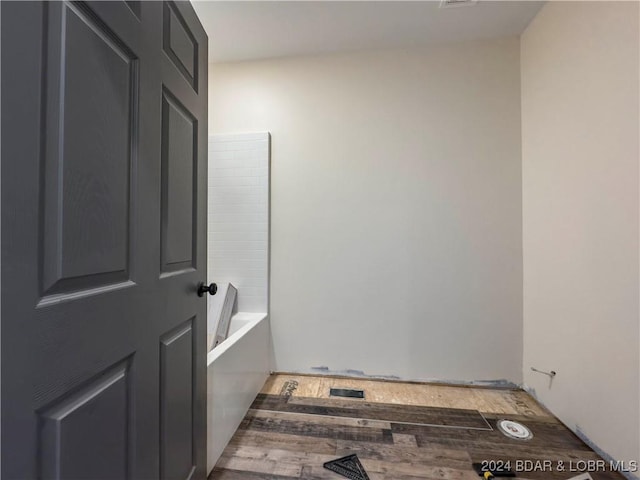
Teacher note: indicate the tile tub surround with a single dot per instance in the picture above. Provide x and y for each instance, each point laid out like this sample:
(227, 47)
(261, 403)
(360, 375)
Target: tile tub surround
(238, 223)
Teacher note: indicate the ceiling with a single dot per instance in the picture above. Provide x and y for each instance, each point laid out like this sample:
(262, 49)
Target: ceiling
(249, 30)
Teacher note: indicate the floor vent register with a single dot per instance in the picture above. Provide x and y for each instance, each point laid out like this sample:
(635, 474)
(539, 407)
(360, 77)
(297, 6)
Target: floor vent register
(346, 392)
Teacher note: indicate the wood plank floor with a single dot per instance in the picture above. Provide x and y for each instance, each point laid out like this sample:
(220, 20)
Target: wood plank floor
(400, 431)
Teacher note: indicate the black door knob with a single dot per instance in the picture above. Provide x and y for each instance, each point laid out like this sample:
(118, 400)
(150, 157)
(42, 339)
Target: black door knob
(211, 289)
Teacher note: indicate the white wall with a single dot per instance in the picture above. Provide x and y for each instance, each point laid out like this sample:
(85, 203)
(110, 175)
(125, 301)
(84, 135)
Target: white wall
(580, 198)
(396, 206)
(238, 230)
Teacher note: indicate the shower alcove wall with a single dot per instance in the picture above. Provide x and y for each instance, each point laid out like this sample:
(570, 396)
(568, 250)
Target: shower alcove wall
(238, 253)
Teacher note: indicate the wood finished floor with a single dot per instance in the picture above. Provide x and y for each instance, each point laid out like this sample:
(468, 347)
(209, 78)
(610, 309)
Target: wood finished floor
(400, 431)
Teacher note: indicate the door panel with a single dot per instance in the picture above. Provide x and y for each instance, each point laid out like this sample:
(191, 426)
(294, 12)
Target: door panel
(134, 5)
(176, 402)
(91, 134)
(88, 434)
(180, 44)
(179, 184)
(103, 240)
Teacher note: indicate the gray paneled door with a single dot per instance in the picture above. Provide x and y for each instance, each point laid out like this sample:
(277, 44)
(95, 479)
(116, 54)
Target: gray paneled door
(104, 124)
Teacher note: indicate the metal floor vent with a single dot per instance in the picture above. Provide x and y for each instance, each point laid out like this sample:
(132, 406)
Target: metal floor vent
(348, 466)
(346, 392)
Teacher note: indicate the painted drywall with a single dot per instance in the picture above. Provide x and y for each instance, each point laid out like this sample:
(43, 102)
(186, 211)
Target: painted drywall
(580, 102)
(396, 227)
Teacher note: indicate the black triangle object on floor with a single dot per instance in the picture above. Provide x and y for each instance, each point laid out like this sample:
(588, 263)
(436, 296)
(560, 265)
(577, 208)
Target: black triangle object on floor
(348, 466)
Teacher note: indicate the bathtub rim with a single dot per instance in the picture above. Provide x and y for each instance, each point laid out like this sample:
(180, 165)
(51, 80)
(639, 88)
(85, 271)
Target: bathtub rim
(252, 320)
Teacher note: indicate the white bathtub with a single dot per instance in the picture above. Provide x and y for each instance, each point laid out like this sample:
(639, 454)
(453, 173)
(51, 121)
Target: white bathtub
(236, 371)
